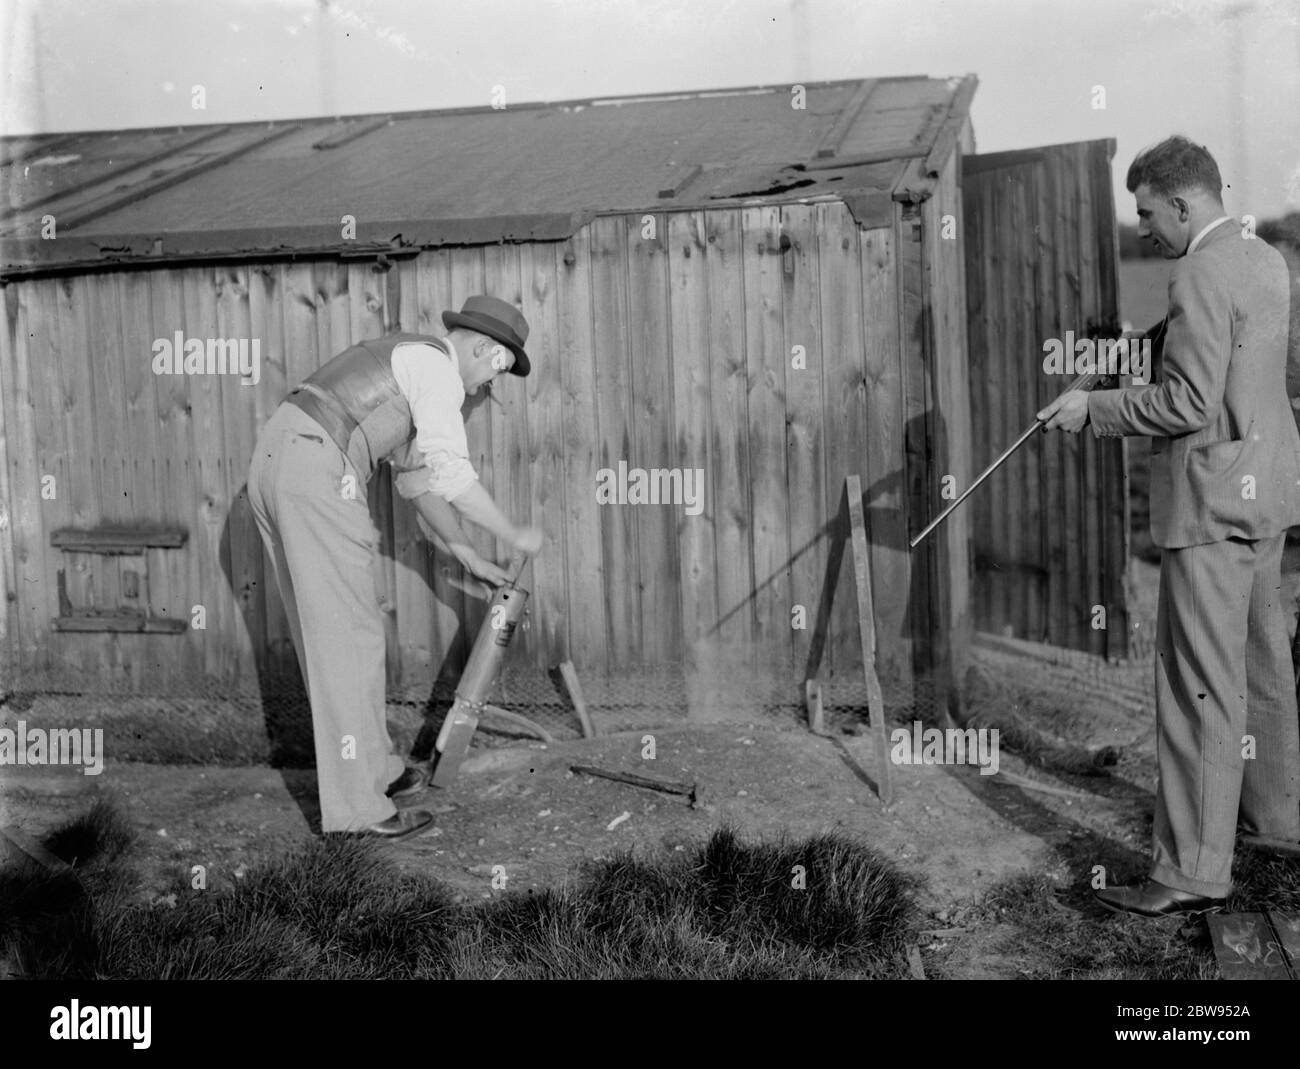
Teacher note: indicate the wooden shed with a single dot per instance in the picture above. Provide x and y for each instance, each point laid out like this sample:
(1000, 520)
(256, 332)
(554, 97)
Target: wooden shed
(766, 288)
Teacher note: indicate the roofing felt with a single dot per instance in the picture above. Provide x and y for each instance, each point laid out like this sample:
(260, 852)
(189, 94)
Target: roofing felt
(465, 176)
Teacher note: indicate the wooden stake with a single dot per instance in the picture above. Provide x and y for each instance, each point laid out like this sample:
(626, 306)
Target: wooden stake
(867, 630)
(812, 690)
(570, 676)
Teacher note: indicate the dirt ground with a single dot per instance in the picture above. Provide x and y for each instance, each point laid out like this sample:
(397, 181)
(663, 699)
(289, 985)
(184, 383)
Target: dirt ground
(519, 806)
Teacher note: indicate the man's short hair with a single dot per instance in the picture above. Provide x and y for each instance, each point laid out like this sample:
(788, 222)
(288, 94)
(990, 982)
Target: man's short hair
(1174, 166)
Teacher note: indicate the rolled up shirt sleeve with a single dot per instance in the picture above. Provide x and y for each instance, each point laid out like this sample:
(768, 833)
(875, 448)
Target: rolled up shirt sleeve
(438, 460)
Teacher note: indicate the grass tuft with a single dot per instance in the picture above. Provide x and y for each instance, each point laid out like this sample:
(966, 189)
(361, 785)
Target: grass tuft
(336, 908)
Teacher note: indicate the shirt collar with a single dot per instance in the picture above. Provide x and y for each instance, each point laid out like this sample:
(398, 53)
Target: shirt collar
(1197, 240)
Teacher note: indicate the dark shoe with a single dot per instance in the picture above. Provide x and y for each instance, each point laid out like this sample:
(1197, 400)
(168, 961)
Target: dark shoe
(1152, 899)
(399, 825)
(412, 781)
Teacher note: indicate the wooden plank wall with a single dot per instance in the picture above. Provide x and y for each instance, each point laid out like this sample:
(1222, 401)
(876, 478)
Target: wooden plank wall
(950, 420)
(671, 345)
(1049, 529)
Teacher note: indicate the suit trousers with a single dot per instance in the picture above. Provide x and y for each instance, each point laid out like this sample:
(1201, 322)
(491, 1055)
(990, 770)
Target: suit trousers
(1227, 738)
(317, 530)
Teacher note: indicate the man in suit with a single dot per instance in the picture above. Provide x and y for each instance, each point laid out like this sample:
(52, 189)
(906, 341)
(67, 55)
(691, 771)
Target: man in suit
(1225, 486)
(396, 398)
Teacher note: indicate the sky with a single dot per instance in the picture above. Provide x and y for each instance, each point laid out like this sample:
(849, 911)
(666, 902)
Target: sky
(1223, 72)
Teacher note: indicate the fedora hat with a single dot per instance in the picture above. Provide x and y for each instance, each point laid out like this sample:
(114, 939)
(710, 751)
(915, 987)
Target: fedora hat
(497, 319)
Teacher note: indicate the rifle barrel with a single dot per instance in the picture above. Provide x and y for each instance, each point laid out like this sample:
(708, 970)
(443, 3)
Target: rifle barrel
(1086, 381)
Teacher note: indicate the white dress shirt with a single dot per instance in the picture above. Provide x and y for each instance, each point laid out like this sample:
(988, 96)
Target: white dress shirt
(437, 460)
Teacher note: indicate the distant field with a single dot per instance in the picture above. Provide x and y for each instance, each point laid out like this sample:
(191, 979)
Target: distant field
(1143, 291)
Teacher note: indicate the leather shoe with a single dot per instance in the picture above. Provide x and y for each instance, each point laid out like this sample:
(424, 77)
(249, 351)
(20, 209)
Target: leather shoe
(1152, 899)
(401, 824)
(412, 781)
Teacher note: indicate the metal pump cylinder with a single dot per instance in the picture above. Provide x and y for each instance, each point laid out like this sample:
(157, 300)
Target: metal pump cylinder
(482, 670)
(483, 667)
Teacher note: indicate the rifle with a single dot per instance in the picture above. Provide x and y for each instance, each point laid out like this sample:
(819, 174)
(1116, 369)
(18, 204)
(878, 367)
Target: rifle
(1086, 381)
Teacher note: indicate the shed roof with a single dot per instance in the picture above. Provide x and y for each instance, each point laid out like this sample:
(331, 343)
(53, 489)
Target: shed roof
(466, 176)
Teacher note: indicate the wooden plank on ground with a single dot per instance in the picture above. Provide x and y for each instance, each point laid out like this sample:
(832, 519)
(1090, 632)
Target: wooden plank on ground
(1287, 927)
(1246, 948)
(867, 633)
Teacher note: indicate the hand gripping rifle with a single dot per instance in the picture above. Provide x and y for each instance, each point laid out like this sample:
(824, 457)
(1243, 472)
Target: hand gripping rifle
(1085, 382)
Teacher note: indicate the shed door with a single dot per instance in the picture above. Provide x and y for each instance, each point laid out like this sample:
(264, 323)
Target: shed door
(1049, 530)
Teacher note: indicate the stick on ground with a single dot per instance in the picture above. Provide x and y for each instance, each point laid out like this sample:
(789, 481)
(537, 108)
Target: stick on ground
(667, 786)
